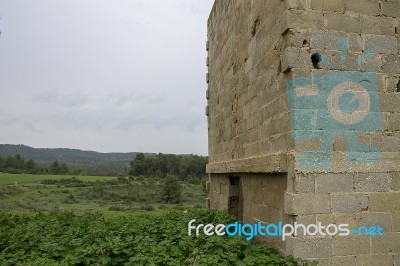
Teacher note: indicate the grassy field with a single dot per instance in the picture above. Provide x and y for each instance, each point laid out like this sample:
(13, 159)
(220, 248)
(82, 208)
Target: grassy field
(66, 193)
(87, 220)
(10, 179)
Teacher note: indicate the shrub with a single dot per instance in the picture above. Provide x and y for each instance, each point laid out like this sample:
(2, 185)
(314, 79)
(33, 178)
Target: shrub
(171, 190)
(116, 208)
(147, 207)
(140, 239)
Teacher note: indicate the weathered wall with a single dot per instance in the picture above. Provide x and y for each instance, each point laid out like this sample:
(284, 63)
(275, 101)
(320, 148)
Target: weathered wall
(247, 105)
(310, 141)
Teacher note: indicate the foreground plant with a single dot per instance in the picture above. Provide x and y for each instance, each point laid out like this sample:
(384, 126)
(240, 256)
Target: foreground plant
(136, 239)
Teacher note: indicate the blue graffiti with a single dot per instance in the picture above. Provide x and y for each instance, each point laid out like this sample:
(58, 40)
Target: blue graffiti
(344, 104)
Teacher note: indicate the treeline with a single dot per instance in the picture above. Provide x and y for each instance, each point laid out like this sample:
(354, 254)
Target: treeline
(183, 166)
(18, 165)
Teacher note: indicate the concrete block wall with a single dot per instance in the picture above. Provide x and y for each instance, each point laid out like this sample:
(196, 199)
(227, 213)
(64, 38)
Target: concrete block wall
(357, 199)
(294, 159)
(247, 106)
(262, 199)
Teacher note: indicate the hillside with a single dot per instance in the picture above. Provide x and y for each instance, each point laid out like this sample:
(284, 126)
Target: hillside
(69, 156)
(89, 161)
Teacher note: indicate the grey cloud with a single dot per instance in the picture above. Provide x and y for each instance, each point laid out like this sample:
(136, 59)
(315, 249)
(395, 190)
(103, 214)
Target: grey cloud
(119, 75)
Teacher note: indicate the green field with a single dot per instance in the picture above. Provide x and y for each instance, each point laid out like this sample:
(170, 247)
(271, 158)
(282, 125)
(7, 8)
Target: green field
(142, 239)
(10, 179)
(52, 193)
(88, 220)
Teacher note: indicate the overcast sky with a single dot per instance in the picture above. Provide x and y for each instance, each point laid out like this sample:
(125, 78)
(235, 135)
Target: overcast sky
(104, 75)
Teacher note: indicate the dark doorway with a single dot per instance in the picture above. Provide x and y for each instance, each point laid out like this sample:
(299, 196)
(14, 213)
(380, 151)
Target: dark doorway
(235, 204)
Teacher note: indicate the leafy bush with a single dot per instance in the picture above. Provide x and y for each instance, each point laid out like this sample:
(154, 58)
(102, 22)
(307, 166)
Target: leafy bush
(68, 182)
(171, 190)
(139, 239)
(147, 207)
(116, 208)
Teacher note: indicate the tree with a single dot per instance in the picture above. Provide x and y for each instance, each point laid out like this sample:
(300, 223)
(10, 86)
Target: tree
(54, 168)
(171, 190)
(163, 164)
(64, 169)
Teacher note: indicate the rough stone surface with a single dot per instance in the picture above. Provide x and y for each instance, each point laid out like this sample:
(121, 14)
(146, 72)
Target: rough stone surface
(396, 222)
(372, 182)
(391, 8)
(381, 44)
(311, 247)
(352, 245)
(368, 7)
(298, 204)
(349, 203)
(384, 220)
(327, 183)
(384, 202)
(274, 156)
(389, 243)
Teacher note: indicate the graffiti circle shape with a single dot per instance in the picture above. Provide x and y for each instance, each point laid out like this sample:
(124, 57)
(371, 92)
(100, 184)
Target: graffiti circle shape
(359, 93)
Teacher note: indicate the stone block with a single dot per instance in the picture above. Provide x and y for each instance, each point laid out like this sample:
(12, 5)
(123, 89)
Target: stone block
(298, 4)
(326, 40)
(391, 83)
(301, 204)
(344, 260)
(375, 259)
(372, 182)
(306, 219)
(349, 202)
(390, 102)
(381, 44)
(295, 58)
(392, 122)
(391, 8)
(328, 5)
(337, 218)
(384, 202)
(395, 186)
(310, 247)
(374, 219)
(343, 22)
(378, 25)
(396, 222)
(328, 183)
(368, 7)
(350, 245)
(322, 261)
(304, 183)
(299, 19)
(374, 63)
(355, 42)
(389, 242)
(396, 260)
(391, 64)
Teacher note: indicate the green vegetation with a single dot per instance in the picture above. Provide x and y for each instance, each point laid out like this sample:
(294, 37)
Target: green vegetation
(108, 164)
(18, 165)
(12, 179)
(135, 239)
(171, 190)
(94, 194)
(184, 166)
(104, 220)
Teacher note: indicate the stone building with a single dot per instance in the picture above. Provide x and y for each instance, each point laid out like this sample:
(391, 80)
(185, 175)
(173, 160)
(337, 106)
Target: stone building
(304, 121)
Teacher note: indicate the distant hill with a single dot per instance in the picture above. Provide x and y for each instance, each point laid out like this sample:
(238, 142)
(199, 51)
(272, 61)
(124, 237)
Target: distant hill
(46, 156)
(89, 161)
